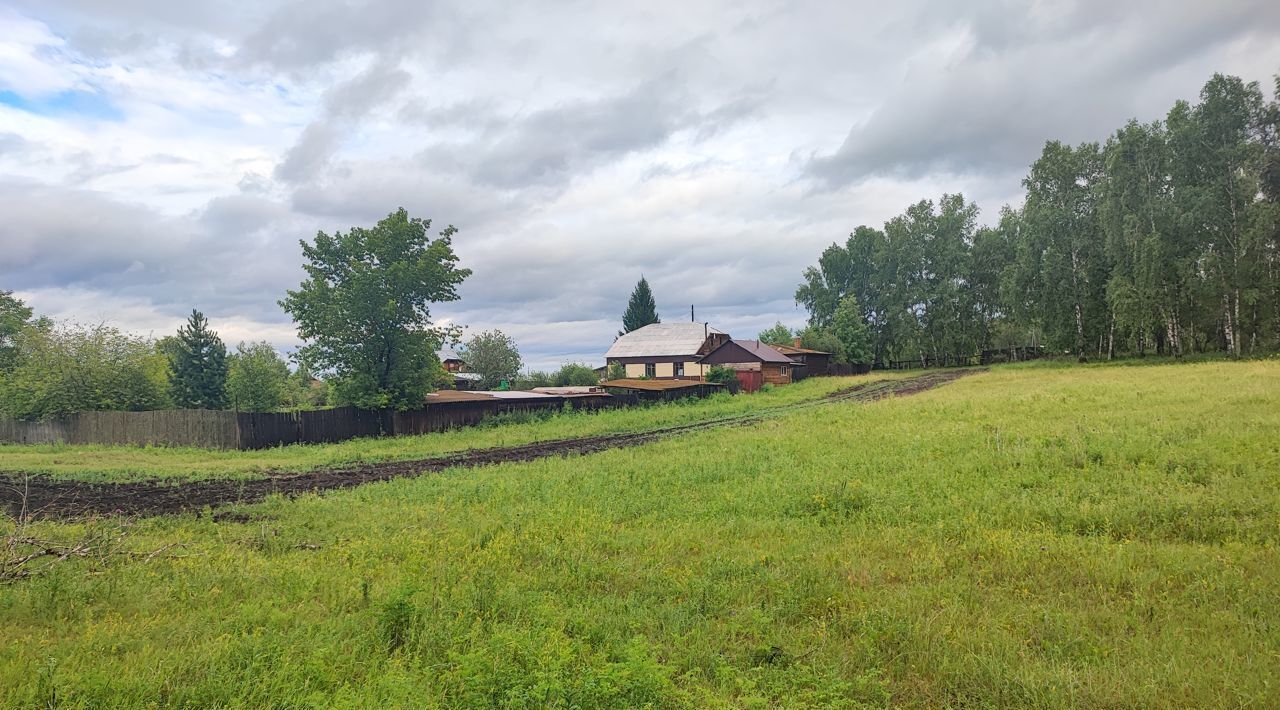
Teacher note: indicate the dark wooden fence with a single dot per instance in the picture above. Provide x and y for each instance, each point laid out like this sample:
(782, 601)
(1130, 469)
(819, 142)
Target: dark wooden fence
(245, 430)
(170, 427)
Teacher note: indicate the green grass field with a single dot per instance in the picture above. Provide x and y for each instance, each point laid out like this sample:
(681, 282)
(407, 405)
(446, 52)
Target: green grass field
(1093, 536)
(124, 463)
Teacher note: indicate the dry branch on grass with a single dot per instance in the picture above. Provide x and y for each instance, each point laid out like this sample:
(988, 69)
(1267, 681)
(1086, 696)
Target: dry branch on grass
(22, 553)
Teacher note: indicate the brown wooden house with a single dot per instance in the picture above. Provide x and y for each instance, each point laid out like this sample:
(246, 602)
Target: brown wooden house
(811, 363)
(749, 356)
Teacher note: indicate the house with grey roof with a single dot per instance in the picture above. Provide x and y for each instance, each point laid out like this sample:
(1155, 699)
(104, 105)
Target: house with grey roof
(666, 350)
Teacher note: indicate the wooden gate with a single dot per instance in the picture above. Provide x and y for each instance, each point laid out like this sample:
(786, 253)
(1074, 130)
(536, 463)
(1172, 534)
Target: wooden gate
(751, 380)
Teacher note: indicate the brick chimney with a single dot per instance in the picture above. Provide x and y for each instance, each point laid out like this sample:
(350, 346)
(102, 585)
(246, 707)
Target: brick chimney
(797, 342)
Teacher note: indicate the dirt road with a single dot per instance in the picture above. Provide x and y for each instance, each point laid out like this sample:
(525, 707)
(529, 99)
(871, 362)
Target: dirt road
(42, 497)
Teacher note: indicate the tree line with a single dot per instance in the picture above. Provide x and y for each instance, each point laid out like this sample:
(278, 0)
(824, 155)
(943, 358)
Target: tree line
(1163, 239)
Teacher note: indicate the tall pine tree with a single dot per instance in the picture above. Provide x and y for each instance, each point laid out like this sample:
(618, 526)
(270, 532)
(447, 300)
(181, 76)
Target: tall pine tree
(199, 362)
(641, 309)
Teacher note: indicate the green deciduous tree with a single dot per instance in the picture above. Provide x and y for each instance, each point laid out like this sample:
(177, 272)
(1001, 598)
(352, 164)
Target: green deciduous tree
(198, 366)
(779, 334)
(641, 309)
(257, 378)
(851, 330)
(494, 356)
(364, 308)
(823, 340)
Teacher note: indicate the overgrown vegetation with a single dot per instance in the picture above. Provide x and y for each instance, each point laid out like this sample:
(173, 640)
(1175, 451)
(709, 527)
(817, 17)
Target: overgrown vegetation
(1035, 536)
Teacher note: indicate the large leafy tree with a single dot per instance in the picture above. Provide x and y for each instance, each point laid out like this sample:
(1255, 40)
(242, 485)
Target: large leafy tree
(257, 378)
(641, 309)
(1166, 239)
(198, 366)
(492, 355)
(364, 308)
(779, 334)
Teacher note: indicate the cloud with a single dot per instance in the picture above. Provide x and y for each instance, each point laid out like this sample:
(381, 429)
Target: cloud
(994, 85)
(714, 147)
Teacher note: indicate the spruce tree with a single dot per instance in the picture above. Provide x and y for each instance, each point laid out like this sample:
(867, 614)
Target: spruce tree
(641, 309)
(199, 362)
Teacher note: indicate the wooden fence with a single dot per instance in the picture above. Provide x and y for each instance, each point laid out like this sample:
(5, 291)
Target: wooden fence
(245, 430)
(986, 357)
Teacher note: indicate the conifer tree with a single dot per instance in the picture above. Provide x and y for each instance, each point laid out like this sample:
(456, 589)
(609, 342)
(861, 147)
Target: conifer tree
(641, 309)
(199, 363)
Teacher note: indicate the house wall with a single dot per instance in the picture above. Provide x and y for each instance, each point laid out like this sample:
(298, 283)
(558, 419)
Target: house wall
(775, 374)
(692, 370)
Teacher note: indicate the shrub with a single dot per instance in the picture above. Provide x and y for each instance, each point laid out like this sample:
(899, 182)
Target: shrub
(721, 374)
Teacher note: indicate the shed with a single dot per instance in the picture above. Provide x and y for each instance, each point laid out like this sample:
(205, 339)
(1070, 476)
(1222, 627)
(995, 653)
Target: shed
(814, 362)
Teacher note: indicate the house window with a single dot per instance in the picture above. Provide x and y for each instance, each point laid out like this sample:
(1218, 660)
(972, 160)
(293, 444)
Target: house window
(650, 370)
(679, 369)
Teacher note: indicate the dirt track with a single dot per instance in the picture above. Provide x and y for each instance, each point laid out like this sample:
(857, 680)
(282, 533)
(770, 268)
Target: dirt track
(48, 498)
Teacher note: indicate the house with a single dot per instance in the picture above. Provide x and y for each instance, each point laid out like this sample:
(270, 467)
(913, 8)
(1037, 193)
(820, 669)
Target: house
(666, 351)
(749, 357)
(454, 365)
(813, 363)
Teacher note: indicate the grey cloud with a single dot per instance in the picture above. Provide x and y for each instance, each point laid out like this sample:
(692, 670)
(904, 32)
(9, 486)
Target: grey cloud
(344, 103)
(1072, 71)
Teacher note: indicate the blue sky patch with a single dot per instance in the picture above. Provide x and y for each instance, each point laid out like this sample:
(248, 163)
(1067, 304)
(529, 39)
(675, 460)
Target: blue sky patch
(83, 104)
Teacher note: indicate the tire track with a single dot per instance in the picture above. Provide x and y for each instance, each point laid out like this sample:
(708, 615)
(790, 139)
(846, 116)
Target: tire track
(42, 497)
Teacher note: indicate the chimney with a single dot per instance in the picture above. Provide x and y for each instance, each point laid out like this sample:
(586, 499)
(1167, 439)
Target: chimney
(797, 342)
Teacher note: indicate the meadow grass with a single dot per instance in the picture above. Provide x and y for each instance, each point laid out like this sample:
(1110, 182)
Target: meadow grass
(127, 463)
(1032, 536)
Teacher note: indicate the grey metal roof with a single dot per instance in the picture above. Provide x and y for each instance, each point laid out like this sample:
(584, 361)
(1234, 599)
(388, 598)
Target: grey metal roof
(662, 339)
(448, 354)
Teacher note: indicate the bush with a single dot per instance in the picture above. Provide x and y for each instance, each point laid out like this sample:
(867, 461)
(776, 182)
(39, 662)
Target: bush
(575, 374)
(72, 368)
(721, 374)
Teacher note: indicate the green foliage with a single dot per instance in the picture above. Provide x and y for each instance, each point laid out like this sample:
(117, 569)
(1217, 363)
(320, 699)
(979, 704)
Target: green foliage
(257, 378)
(823, 340)
(617, 371)
(641, 310)
(494, 356)
(721, 374)
(849, 328)
(198, 366)
(575, 374)
(779, 334)
(364, 308)
(59, 371)
(15, 317)
(1164, 240)
(534, 378)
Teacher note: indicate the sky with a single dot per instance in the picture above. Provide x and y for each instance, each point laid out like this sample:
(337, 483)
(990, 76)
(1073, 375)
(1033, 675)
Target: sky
(157, 156)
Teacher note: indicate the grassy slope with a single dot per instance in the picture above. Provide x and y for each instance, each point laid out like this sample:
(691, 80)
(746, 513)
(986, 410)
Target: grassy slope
(119, 463)
(1031, 536)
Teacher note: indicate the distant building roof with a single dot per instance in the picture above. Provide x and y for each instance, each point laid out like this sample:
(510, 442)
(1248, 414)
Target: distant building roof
(662, 339)
(730, 351)
(468, 376)
(448, 354)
